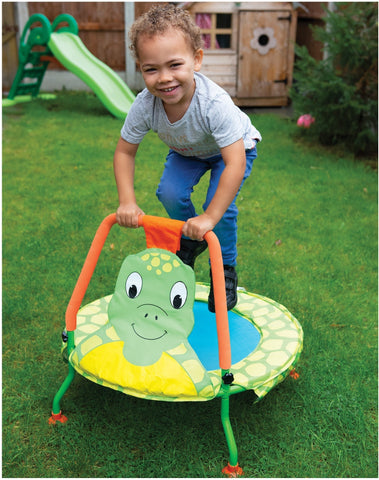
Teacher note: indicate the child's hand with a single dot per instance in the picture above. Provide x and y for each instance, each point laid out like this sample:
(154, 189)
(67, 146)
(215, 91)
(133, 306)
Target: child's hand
(127, 215)
(196, 227)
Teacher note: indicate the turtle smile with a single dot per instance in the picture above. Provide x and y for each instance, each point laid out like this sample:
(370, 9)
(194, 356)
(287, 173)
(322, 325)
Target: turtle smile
(147, 338)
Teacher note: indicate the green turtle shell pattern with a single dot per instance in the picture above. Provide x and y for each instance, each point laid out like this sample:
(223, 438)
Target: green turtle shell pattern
(275, 356)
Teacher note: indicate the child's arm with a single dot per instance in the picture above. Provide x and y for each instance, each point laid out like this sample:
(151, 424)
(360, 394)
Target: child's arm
(123, 164)
(230, 181)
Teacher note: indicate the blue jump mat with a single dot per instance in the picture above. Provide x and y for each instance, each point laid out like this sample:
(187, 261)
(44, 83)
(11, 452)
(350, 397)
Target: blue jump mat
(244, 336)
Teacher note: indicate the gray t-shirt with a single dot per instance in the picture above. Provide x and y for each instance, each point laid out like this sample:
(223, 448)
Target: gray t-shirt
(212, 121)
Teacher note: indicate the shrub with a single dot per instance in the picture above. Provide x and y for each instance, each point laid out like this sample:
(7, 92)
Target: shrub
(341, 91)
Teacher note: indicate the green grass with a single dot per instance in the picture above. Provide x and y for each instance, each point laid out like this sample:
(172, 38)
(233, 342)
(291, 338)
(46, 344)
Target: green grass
(307, 239)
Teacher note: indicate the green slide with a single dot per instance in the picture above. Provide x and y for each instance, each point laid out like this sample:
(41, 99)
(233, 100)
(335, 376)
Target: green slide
(107, 85)
(61, 40)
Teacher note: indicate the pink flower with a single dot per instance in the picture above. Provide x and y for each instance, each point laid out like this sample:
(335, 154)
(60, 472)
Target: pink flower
(305, 121)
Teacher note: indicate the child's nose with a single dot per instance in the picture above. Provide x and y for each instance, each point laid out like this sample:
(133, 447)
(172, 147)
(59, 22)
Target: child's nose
(165, 75)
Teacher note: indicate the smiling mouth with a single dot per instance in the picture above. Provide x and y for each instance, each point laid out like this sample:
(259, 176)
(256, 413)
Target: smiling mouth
(147, 338)
(168, 90)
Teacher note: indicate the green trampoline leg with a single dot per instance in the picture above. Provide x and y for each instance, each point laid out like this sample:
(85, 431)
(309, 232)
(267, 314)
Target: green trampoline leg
(56, 415)
(232, 469)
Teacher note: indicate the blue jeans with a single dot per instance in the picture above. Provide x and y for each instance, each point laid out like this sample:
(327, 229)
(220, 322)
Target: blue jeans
(179, 177)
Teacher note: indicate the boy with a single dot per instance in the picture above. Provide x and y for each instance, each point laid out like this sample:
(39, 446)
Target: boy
(203, 129)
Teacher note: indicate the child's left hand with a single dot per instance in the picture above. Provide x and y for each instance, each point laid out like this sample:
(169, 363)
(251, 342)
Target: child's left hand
(196, 227)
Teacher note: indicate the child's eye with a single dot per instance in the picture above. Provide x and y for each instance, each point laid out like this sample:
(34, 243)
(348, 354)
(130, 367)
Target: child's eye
(149, 69)
(175, 65)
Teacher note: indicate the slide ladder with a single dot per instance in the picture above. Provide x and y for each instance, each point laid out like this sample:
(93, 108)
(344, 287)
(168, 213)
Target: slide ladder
(32, 64)
(60, 41)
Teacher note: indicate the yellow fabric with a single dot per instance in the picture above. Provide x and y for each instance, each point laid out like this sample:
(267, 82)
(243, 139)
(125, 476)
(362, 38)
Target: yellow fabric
(165, 377)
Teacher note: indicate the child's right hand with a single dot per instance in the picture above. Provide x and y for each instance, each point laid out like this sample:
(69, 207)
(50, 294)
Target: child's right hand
(127, 215)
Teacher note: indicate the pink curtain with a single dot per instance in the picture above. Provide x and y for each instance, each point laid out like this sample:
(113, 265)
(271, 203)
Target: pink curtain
(204, 20)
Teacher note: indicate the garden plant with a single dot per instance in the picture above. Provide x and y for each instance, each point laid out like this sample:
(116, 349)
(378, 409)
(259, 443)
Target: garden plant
(341, 91)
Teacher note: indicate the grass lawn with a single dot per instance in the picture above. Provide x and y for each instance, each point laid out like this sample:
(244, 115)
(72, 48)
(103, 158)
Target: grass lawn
(307, 239)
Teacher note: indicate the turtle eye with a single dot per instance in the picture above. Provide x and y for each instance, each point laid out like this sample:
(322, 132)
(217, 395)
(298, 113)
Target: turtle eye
(178, 295)
(133, 285)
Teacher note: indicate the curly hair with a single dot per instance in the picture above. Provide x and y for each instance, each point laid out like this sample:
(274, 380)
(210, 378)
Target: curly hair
(161, 18)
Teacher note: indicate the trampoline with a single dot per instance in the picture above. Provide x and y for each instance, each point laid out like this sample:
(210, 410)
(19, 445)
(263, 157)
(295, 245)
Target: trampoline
(155, 338)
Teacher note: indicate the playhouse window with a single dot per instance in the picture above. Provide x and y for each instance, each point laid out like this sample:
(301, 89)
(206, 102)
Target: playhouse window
(216, 29)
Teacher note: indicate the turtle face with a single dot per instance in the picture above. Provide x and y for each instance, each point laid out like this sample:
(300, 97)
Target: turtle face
(152, 307)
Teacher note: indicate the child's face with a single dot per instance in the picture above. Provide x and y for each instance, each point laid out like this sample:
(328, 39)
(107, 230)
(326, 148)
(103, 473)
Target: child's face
(168, 63)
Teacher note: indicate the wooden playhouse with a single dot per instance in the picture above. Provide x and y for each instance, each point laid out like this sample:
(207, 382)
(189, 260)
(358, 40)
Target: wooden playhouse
(249, 48)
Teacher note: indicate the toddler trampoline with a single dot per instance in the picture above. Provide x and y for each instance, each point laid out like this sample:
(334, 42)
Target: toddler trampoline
(154, 337)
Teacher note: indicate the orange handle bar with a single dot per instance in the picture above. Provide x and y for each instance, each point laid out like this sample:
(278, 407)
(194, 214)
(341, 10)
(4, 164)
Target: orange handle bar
(87, 270)
(217, 276)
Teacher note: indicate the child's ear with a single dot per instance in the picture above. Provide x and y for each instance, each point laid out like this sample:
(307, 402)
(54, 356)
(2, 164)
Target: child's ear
(198, 57)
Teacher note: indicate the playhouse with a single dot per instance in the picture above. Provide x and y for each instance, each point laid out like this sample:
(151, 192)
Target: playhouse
(249, 48)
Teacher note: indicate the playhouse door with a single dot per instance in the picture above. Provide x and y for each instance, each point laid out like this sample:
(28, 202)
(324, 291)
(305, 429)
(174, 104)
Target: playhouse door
(263, 70)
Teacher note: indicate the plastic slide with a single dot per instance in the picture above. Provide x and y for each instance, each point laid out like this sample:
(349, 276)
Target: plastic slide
(107, 85)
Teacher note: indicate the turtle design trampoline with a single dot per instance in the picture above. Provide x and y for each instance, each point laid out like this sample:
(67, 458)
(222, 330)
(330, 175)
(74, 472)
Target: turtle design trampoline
(155, 338)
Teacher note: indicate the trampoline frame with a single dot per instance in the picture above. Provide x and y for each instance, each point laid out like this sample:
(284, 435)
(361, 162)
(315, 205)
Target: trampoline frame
(224, 349)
